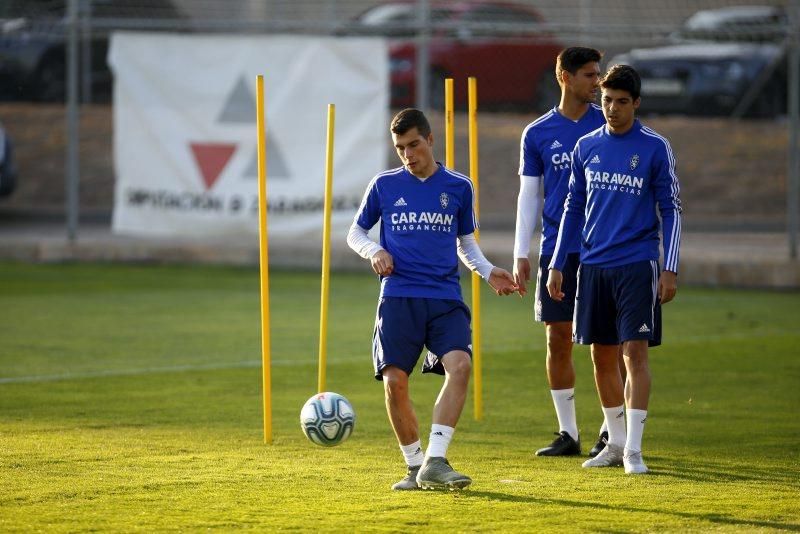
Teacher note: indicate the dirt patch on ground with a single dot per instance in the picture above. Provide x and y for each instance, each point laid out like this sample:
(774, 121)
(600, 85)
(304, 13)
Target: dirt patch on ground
(732, 173)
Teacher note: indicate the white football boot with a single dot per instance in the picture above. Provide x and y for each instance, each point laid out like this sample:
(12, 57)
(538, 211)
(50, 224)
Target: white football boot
(610, 456)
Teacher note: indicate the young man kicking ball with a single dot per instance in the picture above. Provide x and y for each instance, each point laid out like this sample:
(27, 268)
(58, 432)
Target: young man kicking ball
(427, 222)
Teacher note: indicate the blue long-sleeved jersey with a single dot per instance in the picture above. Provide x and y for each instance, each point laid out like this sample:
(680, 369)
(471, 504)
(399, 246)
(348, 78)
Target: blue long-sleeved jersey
(545, 150)
(618, 183)
(421, 221)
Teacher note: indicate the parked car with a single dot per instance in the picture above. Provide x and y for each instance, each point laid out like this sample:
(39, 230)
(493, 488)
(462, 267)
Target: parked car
(710, 78)
(8, 169)
(726, 63)
(33, 42)
(735, 23)
(499, 43)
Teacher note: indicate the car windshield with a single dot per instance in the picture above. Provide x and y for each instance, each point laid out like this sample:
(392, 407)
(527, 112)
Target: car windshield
(395, 14)
(744, 23)
(389, 13)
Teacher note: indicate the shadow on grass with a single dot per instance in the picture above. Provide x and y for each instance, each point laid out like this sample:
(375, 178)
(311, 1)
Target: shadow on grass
(711, 517)
(713, 472)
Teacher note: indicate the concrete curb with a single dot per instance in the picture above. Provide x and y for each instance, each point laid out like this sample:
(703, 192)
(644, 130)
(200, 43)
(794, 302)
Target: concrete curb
(751, 260)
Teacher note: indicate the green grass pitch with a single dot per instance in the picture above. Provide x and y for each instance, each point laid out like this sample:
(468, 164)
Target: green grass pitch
(130, 400)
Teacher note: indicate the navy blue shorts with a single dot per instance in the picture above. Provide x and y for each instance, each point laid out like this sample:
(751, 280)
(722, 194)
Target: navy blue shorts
(618, 304)
(404, 325)
(547, 310)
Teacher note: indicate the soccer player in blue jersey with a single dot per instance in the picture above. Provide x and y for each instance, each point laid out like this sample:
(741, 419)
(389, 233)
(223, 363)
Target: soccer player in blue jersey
(545, 150)
(623, 177)
(427, 223)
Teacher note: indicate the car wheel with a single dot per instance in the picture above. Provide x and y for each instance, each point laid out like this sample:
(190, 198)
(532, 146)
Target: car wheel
(547, 93)
(51, 80)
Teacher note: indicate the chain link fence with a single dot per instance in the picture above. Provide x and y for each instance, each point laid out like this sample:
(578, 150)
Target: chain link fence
(717, 80)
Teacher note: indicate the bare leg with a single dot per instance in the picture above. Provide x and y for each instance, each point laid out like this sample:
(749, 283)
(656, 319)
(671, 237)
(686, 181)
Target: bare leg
(624, 372)
(399, 406)
(436, 472)
(611, 392)
(638, 396)
(450, 402)
(638, 383)
(560, 371)
(607, 377)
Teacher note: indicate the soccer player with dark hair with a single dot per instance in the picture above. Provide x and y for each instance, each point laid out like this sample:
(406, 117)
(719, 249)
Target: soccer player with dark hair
(623, 177)
(427, 222)
(545, 150)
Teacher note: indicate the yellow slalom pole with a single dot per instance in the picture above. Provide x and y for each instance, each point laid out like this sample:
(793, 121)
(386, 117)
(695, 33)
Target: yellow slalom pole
(477, 383)
(449, 125)
(263, 258)
(326, 252)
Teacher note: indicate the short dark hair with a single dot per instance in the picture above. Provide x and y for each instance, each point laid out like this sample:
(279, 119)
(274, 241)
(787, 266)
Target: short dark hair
(623, 77)
(572, 58)
(410, 118)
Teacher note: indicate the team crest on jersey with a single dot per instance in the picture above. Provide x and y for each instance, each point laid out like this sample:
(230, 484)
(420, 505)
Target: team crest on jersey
(634, 161)
(444, 200)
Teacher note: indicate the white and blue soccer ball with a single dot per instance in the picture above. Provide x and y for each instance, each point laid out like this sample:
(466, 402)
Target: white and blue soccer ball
(327, 419)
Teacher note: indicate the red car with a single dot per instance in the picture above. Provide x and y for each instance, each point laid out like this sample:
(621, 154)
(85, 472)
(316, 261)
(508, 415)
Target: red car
(499, 43)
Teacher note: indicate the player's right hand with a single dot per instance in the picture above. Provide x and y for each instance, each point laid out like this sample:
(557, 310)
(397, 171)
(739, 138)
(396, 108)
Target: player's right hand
(522, 273)
(382, 263)
(554, 280)
(502, 282)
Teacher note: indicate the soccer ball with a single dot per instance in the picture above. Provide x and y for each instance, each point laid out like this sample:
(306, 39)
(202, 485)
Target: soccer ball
(327, 419)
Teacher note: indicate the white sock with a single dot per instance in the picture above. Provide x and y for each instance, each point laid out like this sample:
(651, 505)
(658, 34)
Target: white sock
(636, 419)
(564, 401)
(440, 440)
(603, 427)
(615, 421)
(413, 453)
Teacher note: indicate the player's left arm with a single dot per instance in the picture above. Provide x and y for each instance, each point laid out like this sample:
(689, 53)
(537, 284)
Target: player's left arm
(667, 194)
(471, 255)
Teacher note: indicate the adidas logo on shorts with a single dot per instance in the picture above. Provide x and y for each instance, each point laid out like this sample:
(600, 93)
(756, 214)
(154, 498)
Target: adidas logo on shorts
(643, 329)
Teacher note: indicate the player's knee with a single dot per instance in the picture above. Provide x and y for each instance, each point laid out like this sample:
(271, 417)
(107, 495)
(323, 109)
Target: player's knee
(395, 383)
(559, 341)
(457, 365)
(605, 361)
(635, 356)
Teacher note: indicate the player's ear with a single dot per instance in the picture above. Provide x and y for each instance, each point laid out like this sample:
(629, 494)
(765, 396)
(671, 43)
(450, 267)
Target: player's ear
(637, 102)
(430, 139)
(563, 78)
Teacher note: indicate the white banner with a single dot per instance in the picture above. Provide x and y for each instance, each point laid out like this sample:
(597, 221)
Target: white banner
(185, 130)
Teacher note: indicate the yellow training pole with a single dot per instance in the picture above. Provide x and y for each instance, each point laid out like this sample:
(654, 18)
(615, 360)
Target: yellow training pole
(326, 252)
(263, 257)
(476, 279)
(449, 125)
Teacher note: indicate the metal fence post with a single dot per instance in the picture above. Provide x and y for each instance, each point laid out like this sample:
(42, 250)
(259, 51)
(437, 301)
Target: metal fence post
(793, 171)
(422, 87)
(86, 51)
(72, 126)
